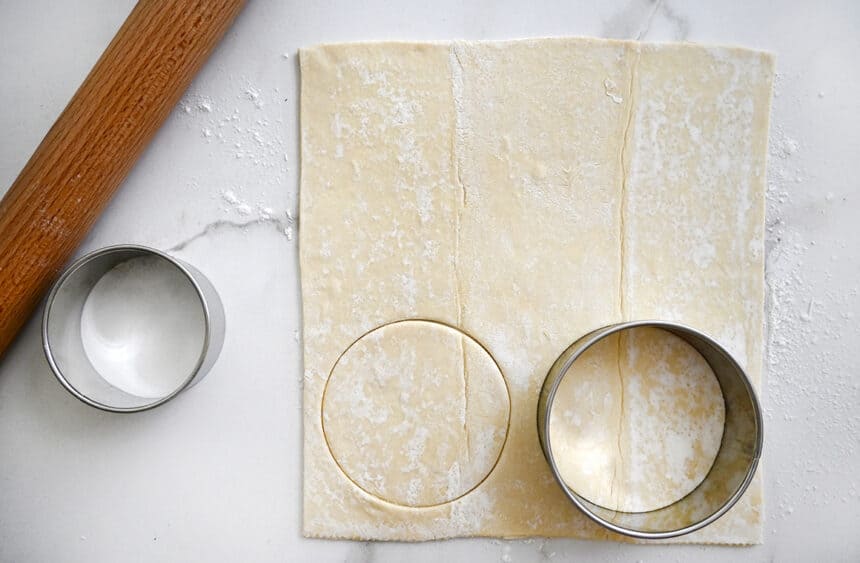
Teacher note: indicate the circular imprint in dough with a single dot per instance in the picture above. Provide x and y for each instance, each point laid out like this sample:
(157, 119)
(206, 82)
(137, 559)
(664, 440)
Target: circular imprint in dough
(637, 421)
(416, 413)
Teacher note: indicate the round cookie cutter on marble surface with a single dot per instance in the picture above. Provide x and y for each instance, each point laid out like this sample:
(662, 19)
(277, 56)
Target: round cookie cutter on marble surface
(62, 339)
(733, 467)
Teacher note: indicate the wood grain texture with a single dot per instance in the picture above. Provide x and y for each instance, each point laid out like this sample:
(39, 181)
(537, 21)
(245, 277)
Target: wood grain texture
(90, 149)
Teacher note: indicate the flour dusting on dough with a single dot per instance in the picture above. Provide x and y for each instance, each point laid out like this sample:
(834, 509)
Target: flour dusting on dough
(478, 184)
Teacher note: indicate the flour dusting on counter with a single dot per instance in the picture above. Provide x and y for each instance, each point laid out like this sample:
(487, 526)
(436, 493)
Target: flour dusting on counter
(236, 127)
(812, 329)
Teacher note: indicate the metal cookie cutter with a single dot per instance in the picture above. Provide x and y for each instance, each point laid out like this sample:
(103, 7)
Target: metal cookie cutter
(62, 332)
(733, 467)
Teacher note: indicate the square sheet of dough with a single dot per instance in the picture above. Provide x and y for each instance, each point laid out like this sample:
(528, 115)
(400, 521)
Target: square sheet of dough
(525, 192)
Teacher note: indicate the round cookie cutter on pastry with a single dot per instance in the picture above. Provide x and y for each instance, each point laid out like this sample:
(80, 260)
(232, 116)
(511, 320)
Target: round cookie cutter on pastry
(735, 463)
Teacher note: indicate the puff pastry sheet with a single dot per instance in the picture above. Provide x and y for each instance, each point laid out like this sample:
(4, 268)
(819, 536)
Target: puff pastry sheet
(513, 195)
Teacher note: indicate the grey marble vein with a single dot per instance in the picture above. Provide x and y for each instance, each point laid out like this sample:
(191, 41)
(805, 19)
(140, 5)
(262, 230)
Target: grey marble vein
(681, 24)
(636, 19)
(361, 553)
(643, 31)
(227, 225)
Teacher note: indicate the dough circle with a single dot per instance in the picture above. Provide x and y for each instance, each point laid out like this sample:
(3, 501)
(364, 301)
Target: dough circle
(416, 413)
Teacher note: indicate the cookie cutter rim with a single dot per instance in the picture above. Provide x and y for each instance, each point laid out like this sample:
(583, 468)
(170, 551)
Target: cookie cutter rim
(560, 369)
(210, 303)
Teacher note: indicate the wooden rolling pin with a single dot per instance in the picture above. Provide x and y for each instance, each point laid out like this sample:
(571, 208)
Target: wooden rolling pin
(92, 146)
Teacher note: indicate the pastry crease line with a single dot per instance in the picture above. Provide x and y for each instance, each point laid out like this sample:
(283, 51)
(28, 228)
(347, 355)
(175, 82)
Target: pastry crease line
(456, 66)
(624, 161)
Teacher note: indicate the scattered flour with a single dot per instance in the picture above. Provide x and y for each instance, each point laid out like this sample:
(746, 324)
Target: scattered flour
(236, 127)
(811, 335)
(611, 89)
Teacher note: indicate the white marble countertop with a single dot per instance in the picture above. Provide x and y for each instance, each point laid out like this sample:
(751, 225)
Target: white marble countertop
(216, 474)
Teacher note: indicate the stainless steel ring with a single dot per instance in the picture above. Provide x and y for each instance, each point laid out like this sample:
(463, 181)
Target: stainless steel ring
(61, 330)
(735, 463)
